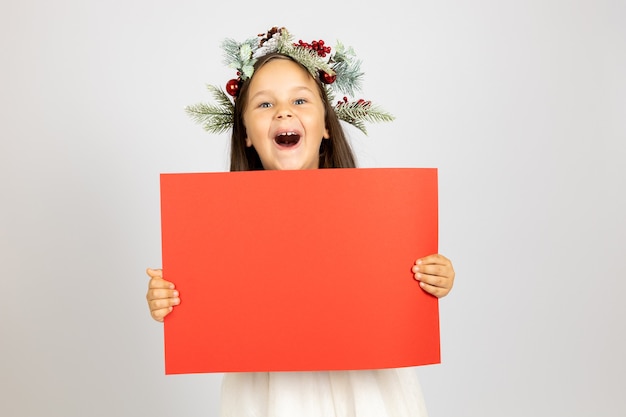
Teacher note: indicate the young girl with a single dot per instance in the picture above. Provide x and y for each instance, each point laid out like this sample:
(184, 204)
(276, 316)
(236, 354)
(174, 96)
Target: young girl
(283, 119)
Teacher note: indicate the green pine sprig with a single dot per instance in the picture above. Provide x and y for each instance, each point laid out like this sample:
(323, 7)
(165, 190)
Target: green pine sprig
(356, 114)
(214, 118)
(238, 55)
(348, 70)
(310, 60)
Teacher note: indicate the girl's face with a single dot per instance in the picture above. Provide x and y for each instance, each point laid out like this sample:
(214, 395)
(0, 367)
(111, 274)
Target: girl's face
(284, 116)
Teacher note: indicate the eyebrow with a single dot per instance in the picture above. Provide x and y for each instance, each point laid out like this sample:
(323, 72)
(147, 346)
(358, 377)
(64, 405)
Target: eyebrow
(293, 90)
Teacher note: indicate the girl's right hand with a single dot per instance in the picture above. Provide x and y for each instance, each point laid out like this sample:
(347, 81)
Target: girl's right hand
(161, 296)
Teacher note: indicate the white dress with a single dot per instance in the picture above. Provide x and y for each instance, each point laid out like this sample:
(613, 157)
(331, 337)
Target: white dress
(367, 393)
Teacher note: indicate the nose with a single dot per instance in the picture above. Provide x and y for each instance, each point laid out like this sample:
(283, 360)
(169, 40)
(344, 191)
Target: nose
(283, 112)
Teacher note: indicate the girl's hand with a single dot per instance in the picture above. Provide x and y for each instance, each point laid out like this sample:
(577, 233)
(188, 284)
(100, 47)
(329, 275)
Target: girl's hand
(435, 274)
(161, 296)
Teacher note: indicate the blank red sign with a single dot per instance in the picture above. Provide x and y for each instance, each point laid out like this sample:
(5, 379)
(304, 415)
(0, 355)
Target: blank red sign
(299, 270)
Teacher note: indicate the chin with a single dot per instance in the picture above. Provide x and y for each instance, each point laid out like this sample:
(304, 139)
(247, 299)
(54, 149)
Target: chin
(294, 165)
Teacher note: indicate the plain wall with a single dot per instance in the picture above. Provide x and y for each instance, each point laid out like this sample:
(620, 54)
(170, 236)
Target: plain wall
(520, 105)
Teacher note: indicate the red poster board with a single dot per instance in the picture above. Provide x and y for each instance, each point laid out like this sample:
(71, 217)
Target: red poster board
(299, 270)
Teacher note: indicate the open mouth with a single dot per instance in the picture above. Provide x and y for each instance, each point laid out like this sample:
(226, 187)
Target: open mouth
(287, 139)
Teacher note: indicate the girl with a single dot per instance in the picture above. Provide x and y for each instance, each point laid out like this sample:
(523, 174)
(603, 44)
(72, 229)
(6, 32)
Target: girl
(283, 119)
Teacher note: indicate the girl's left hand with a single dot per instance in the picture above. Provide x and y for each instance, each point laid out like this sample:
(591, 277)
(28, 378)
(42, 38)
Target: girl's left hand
(435, 274)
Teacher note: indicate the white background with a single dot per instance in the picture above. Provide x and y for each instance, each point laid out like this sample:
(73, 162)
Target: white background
(520, 104)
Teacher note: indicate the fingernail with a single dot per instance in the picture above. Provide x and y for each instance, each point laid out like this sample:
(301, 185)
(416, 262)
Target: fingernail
(418, 276)
(175, 293)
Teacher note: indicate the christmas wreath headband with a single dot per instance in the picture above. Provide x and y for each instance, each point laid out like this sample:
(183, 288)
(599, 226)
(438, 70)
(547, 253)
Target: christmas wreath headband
(338, 70)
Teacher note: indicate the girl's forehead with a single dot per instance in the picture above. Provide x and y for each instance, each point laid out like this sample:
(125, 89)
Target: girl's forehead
(283, 65)
(281, 73)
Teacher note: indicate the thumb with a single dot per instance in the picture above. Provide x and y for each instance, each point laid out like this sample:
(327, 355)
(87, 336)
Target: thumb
(154, 273)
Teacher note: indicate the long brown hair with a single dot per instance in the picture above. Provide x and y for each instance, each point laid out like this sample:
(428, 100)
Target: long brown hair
(334, 152)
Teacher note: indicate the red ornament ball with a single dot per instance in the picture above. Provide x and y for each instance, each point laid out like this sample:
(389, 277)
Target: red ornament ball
(232, 87)
(327, 78)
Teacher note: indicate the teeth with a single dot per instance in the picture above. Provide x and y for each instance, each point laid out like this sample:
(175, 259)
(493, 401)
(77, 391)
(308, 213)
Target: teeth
(286, 134)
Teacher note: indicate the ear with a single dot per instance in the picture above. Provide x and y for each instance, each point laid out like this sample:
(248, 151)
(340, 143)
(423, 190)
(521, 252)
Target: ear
(326, 134)
(248, 142)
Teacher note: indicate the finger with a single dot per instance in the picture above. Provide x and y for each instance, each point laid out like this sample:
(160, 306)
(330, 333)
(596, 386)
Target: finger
(433, 280)
(163, 303)
(161, 294)
(160, 314)
(435, 270)
(436, 259)
(433, 290)
(160, 283)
